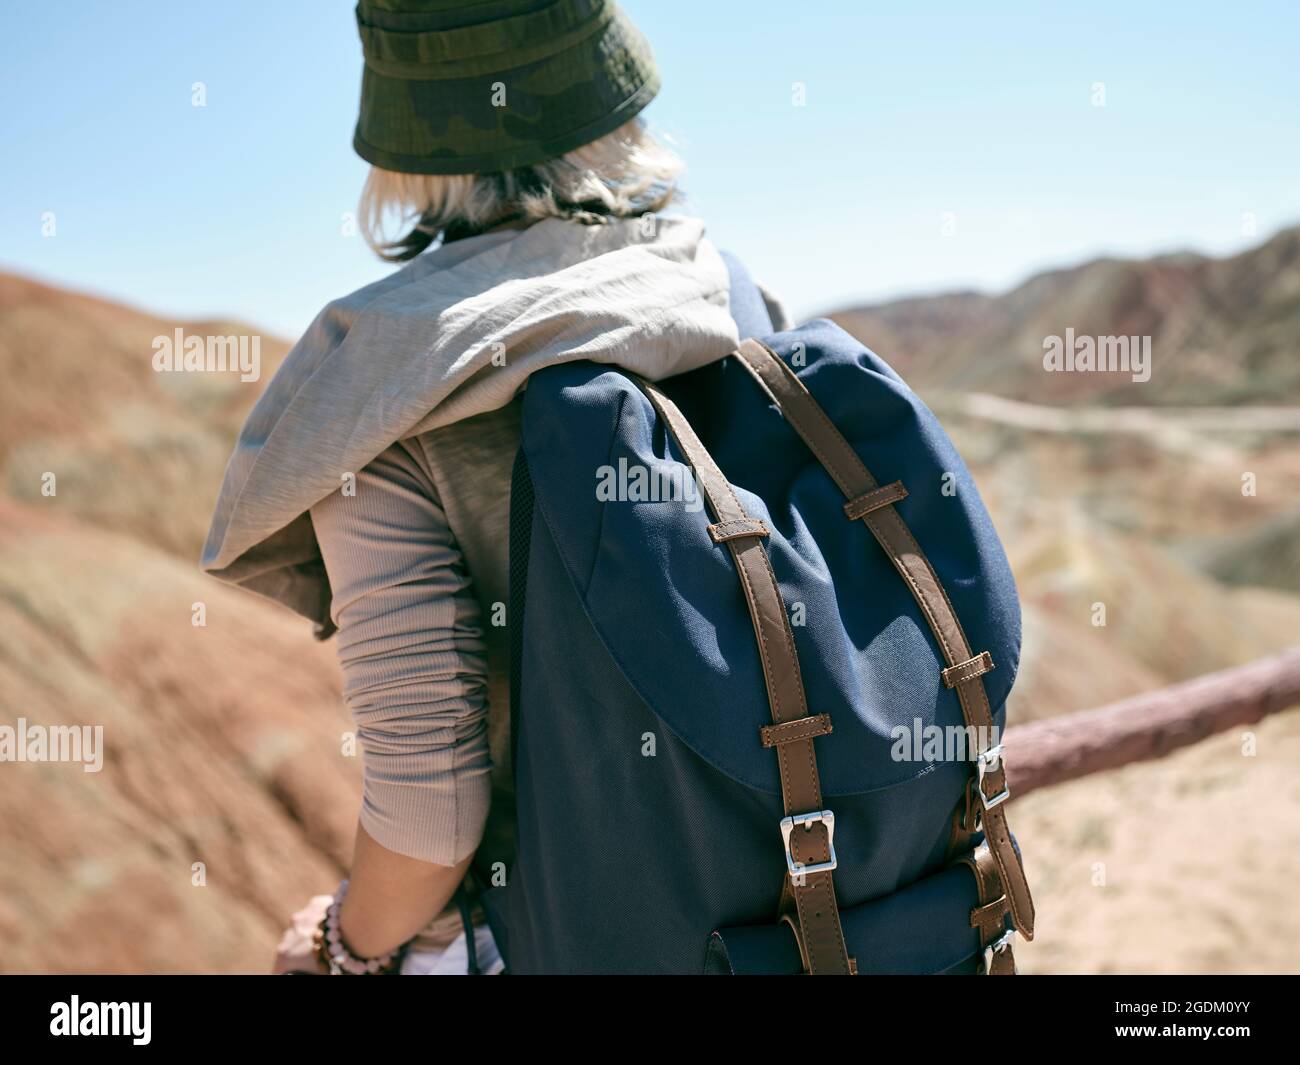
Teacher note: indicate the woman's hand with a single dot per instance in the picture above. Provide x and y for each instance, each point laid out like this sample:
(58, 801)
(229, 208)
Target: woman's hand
(297, 951)
(390, 898)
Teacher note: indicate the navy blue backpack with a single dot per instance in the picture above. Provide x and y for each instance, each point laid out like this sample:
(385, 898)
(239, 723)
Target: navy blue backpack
(736, 666)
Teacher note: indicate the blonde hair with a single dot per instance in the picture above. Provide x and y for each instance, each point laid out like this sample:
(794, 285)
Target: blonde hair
(624, 173)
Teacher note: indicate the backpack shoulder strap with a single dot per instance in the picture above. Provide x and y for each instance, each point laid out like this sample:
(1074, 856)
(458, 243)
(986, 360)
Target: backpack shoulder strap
(873, 504)
(807, 829)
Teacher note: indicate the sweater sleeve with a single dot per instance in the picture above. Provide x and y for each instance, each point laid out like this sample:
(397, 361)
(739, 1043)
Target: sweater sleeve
(413, 657)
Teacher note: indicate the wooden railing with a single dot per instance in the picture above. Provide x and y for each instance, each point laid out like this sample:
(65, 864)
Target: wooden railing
(1151, 725)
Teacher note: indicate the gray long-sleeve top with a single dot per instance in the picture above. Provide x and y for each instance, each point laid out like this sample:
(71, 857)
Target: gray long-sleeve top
(412, 646)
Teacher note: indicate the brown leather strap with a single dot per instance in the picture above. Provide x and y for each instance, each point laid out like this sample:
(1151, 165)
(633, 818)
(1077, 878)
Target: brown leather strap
(812, 895)
(964, 823)
(989, 917)
(807, 418)
(1001, 961)
(957, 840)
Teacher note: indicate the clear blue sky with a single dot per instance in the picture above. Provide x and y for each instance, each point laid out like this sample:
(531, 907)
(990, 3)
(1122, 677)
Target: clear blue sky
(913, 111)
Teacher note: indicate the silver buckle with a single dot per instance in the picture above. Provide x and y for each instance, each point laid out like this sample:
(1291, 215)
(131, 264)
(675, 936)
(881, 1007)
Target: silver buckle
(797, 871)
(1003, 942)
(988, 762)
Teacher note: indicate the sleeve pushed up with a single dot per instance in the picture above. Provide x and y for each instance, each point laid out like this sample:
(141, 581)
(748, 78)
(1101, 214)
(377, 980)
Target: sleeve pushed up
(413, 658)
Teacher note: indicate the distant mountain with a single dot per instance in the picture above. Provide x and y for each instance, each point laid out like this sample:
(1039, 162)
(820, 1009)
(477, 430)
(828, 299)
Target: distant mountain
(1223, 331)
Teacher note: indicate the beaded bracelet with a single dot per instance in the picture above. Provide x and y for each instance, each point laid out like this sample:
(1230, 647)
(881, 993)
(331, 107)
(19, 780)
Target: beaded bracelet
(336, 956)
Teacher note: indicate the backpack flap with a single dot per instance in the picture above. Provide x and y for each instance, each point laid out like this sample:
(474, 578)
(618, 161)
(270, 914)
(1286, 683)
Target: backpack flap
(664, 595)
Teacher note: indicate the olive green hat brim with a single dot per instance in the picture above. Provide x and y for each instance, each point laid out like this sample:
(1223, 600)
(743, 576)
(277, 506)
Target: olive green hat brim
(461, 101)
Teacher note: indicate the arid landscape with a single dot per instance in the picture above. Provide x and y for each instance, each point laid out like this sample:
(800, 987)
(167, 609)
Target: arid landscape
(1153, 527)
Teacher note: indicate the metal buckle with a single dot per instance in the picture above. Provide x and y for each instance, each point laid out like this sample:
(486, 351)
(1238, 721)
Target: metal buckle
(988, 762)
(827, 818)
(1003, 942)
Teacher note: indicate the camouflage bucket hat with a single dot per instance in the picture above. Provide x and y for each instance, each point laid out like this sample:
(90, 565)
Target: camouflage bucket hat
(463, 87)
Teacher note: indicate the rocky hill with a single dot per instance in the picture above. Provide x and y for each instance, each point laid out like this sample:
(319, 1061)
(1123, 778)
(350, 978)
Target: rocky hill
(1223, 331)
(222, 741)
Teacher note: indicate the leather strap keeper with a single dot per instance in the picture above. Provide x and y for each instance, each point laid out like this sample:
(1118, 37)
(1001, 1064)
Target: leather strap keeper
(989, 911)
(970, 669)
(859, 507)
(803, 728)
(735, 528)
